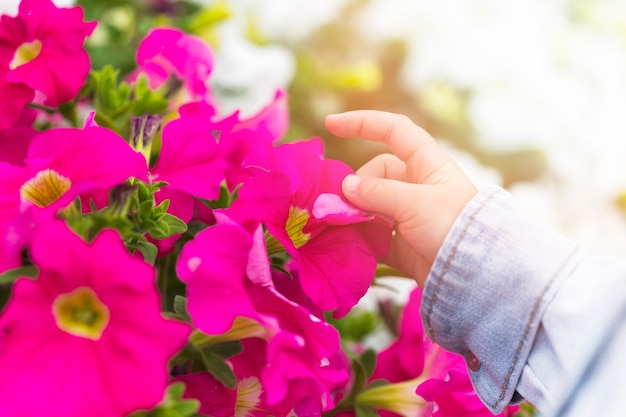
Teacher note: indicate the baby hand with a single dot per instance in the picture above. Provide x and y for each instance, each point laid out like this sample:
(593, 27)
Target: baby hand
(419, 186)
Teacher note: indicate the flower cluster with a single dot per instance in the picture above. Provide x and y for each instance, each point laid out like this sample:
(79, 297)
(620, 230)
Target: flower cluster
(148, 242)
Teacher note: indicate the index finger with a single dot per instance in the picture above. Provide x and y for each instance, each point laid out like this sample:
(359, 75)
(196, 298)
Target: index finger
(404, 138)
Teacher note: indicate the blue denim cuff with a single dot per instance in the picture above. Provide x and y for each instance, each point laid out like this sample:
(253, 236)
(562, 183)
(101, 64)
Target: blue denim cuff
(488, 288)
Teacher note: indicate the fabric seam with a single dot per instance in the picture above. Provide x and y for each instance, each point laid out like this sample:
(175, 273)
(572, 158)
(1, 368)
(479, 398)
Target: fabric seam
(533, 313)
(446, 266)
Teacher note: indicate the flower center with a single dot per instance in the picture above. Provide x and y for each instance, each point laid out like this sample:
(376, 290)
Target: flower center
(81, 313)
(25, 53)
(296, 221)
(45, 188)
(249, 392)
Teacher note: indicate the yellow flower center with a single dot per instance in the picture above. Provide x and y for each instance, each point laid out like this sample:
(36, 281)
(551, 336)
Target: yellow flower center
(25, 53)
(296, 221)
(249, 392)
(81, 313)
(45, 188)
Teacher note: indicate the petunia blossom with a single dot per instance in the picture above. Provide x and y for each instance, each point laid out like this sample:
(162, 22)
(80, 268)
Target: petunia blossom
(302, 349)
(41, 49)
(297, 195)
(166, 52)
(221, 288)
(74, 335)
(249, 398)
(190, 162)
(64, 163)
(213, 265)
(438, 379)
(247, 135)
(189, 159)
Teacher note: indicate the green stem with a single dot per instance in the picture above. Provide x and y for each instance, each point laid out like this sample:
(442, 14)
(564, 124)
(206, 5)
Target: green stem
(36, 106)
(162, 282)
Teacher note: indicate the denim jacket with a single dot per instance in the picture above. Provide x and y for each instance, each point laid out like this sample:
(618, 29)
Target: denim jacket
(533, 315)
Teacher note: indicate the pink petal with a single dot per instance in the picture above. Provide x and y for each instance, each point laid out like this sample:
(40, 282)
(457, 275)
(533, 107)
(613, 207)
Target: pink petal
(212, 268)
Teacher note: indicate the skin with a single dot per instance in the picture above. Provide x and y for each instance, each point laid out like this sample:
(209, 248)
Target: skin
(418, 185)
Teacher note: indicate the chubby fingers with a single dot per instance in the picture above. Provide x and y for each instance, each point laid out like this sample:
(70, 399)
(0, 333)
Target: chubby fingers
(388, 197)
(384, 165)
(405, 139)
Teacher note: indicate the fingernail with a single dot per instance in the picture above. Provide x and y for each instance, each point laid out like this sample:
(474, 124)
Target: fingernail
(351, 183)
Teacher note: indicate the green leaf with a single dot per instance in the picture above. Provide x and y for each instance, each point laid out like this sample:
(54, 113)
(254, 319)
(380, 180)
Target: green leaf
(144, 191)
(158, 230)
(161, 209)
(176, 225)
(219, 369)
(368, 360)
(175, 391)
(173, 405)
(180, 308)
(146, 100)
(27, 271)
(356, 325)
(186, 408)
(227, 349)
(145, 208)
(147, 249)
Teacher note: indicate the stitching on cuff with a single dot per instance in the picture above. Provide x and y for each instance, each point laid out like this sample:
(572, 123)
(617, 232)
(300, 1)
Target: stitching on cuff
(531, 317)
(446, 266)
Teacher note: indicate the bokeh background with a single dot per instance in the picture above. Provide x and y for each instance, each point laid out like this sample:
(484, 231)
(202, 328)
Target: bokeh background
(527, 94)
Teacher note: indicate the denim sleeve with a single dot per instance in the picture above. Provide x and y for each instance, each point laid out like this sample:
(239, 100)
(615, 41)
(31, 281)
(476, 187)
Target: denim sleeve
(488, 290)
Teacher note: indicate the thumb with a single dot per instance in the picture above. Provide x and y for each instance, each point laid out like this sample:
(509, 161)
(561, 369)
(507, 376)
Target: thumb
(378, 195)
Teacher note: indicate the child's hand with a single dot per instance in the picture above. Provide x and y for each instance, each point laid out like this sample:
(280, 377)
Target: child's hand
(420, 187)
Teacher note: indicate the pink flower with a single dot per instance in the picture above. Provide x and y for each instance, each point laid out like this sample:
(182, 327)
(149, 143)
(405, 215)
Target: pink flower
(64, 163)
(249, 398)
(189, 159)
(169, 51)
(214, 265)
(221, 288)
(87, 337)
(404, 358)
(439, 377)
(41, 49)
(190, 162)
(302, 349)
(297, 195)
(248, 135)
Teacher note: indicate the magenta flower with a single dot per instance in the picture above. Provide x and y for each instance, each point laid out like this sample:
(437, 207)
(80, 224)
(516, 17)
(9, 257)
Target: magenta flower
(249, 398)
(220, 288)
(189, 159)
(301, 350)
(41, 49)
(404, 358)
(169, 51)
(87, 337)
(248, 135)
(440, 377)
(190, 162)
(297, 195)
(214, 267)
(64, 163)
